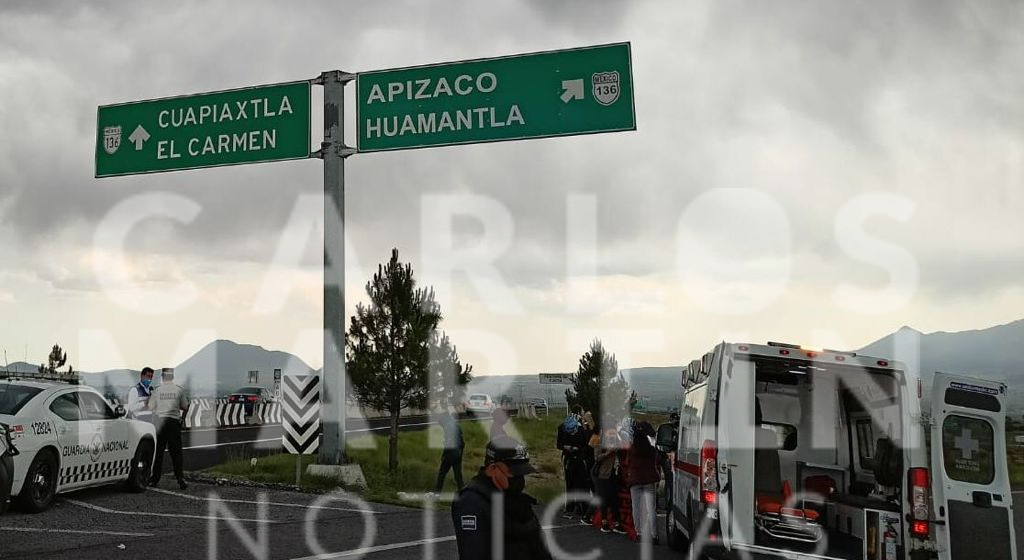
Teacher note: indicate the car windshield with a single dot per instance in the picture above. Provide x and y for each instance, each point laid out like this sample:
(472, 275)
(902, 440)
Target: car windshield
(248, 391)
(13, 397)
(478, 398)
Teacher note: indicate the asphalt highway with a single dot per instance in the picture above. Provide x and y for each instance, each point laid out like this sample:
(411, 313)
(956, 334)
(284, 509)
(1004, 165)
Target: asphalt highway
(244, 523)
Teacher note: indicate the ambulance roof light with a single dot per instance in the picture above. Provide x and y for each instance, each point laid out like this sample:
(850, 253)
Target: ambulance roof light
(784, 345)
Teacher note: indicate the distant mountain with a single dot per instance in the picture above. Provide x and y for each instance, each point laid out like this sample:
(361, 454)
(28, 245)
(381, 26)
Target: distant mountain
(223, 366)
(22, 367)
(218, 368)
(988, 353)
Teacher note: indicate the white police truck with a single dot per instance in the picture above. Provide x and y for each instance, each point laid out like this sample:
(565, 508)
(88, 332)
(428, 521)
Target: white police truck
(784, 451)
(68, 437)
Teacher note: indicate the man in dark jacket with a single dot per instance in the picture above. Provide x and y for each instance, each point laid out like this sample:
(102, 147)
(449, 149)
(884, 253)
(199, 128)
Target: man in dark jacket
(571, 441)
(451, 457)
(499, 484)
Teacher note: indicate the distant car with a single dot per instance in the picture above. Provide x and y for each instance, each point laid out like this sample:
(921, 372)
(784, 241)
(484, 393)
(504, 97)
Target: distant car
(480, 404)
(7, 453)
(540, 406)
(250, 396)
(68, 438)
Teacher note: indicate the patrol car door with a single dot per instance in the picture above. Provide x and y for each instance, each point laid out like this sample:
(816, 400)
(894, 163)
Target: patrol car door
(970, 480)
(74, 436)
(112, 457)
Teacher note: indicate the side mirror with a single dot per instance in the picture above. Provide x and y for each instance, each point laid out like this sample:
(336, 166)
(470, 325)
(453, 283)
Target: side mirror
(667, 438)
(119, 411)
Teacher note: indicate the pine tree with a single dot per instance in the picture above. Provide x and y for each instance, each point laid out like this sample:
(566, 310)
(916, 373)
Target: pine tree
(388, 345)
(598, 376)
(449, 376)
(56, 360)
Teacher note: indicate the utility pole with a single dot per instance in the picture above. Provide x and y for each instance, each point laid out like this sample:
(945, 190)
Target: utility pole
(334, 151)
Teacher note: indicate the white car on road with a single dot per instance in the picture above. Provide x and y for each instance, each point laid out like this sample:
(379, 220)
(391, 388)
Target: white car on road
(480, 404)
(68, 437)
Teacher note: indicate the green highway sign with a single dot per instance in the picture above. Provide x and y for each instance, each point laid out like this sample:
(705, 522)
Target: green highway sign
(248, 125)
(554, 93)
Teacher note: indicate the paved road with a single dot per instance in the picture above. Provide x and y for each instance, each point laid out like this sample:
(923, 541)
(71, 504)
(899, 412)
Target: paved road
(166, 524)
(207, 447)
(162, 523)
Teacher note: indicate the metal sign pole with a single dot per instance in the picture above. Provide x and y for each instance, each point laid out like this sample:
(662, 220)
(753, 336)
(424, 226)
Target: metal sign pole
(333, 151)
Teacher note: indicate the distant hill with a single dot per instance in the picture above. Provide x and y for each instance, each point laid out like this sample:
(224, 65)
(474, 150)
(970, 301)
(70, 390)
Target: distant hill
(22, 367)
(988, 353)
(223, 366)
(218, 368)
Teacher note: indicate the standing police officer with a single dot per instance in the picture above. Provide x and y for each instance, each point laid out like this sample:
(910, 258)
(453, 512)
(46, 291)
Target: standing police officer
(138, 397)
(169, 403)
(499, 484)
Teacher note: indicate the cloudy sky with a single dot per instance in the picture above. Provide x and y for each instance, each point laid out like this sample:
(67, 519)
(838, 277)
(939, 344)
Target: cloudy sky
(816, 172)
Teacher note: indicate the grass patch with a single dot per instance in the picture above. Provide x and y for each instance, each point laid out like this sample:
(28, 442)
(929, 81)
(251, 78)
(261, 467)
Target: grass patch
(419, 456)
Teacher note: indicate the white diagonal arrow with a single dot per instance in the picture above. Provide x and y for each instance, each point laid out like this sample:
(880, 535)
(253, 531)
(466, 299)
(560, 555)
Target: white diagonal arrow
(572, 89)
(139, 137)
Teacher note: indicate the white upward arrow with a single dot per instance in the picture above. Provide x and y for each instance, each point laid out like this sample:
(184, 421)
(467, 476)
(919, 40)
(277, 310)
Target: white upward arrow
(572, 89)
(139, 137)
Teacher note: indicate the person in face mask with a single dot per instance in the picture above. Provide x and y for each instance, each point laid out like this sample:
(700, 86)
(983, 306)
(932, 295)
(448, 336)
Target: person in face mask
(138, 397)
(498, 489)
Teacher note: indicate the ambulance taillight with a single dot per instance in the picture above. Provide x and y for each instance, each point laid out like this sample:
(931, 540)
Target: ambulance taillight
(917, 495)
(709, 473)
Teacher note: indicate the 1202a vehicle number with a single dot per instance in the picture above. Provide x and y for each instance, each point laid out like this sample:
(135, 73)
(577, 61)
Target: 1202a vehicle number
(41, 428)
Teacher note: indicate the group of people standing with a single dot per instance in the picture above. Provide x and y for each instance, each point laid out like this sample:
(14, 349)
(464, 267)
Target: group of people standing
(601, 461)
(164, 406)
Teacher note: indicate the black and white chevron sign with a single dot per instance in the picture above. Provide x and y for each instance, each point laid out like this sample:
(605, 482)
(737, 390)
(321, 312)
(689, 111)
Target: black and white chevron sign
(301, 413)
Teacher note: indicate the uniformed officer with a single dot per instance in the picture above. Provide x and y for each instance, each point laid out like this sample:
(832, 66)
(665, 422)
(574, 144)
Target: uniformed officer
(499, 484)
(138, 397)
(169, 403)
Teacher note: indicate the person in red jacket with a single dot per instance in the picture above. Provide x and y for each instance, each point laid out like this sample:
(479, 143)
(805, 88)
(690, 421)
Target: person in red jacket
(642, 477)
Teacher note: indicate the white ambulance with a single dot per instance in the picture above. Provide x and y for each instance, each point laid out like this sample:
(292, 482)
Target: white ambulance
(783, 451)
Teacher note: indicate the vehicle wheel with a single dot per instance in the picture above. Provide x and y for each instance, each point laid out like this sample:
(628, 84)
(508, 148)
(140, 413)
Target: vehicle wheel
(693, 554)
(142, 465)
(676, 540)
(40, 487)
(6, 479)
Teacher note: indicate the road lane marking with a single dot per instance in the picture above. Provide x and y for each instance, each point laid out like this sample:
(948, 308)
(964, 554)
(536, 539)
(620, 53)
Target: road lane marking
(230, 443)
(212, 445)
(73, 532)
(389, 427)
(396, 546)
(102, 509)
(252, 502)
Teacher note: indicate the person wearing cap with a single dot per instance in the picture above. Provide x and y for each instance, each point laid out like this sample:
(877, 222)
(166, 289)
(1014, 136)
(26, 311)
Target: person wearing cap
(501, 482)
(138, 397)
(571, 441)
(169, 404)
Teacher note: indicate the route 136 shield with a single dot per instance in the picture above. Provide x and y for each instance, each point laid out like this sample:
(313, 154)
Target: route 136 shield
(111, 139)
(606, 87)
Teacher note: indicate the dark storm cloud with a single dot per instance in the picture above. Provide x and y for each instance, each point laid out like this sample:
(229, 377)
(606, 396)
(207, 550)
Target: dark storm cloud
(707, 75)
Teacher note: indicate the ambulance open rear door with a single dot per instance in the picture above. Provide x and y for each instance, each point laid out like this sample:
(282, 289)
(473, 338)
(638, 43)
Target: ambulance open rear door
(970, 480)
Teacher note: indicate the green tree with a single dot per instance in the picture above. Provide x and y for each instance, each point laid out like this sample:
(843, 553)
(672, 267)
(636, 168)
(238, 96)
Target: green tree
(448, 375)
(57, 359)
(598, 381)
(388, 345)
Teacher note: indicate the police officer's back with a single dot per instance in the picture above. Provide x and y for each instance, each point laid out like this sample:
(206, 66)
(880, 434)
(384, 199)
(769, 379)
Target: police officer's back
(168, 402)
(502, 481)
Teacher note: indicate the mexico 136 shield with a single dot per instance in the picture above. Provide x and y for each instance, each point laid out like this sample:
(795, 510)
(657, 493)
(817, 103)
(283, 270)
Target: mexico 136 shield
(111, 139)
(606, 87)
